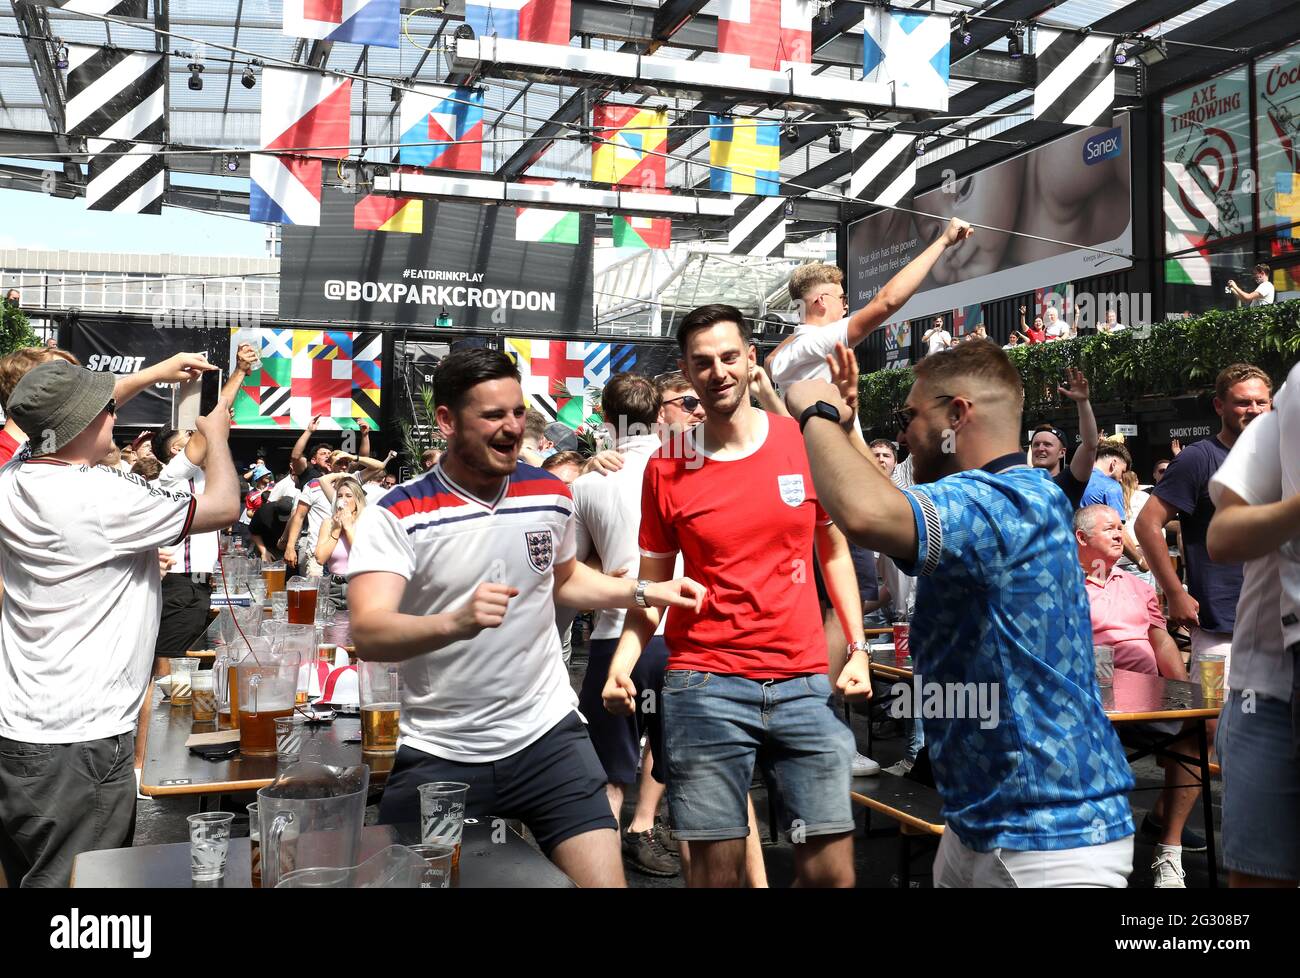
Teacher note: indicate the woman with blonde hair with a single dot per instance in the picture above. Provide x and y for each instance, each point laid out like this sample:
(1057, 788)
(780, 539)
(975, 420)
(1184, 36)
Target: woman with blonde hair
(336, 535)
(1134, 499)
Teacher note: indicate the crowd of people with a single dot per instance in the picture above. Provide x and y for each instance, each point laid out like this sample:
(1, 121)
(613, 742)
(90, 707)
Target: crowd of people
(734, 539)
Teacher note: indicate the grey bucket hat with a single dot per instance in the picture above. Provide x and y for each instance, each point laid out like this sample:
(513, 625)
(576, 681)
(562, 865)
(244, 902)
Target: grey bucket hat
(56, 401)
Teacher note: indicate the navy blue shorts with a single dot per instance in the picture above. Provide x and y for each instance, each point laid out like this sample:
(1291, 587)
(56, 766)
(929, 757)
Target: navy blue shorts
(555, 786)
(617, 739)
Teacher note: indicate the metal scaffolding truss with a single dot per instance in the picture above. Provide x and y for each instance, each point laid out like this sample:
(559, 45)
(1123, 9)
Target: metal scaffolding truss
(528, 125)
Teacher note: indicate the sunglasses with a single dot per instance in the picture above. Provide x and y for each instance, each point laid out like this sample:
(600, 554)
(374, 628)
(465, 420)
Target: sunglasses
(689, 402)
(906, 416)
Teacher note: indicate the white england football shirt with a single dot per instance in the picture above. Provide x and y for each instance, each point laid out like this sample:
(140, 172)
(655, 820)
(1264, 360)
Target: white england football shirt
(79, 618)
(487, 697)
(197, 553)
(321, 509)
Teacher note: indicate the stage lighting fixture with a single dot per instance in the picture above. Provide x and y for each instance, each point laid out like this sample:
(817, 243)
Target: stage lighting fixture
(1154, 52)
(963, 30)
(833, 140)
(444, 320)
(248, 79)
(921, 145)
(1015, 41)
(789, 208)
(824, 14)
(61, 57)
(463, 33)
(196, 77)
(791, 132)
(1121, 51)
(229, 163)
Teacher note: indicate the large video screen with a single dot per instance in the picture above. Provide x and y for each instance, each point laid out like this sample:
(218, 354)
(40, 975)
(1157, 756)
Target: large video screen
(1074, 190)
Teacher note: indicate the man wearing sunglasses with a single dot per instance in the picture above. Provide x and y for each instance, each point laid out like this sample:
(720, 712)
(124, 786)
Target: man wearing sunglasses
(79, 544)
(1037, 796)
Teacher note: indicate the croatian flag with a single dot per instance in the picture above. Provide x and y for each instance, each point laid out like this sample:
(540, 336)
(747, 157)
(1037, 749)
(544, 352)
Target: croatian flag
(376, 22)
(442, 127)
(543, 21)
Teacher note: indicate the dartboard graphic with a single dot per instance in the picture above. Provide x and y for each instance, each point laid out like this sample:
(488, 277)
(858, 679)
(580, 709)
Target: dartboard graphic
(1209, 182)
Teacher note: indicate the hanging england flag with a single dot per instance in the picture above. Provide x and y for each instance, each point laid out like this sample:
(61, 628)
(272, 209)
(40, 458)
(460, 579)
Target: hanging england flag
(376, 22)
(442, 127)
(544, 21)
(771, 35)
(911, 52)
(744, 156)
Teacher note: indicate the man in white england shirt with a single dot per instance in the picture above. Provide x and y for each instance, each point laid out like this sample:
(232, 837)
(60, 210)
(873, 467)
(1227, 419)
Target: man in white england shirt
(79, 546)
(456, 575)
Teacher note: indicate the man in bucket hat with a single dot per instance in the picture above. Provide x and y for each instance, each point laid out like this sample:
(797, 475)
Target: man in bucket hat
(79, 544)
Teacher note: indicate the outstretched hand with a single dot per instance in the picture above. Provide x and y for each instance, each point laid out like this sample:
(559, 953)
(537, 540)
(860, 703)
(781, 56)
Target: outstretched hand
(1076, 385)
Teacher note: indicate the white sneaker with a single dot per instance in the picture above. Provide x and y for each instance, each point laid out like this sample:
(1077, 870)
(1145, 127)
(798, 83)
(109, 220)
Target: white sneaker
(864, 767)
(1168, 869)
(901, 769)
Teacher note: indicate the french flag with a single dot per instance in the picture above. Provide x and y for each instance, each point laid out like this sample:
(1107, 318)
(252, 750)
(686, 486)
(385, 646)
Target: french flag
(543, 21)
(376, 22)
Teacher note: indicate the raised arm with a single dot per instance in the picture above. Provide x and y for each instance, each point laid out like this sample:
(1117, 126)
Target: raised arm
(904, 284)
(363, 446)
(217, 507)
(174, 370)
(1085, 456)
(296, 462)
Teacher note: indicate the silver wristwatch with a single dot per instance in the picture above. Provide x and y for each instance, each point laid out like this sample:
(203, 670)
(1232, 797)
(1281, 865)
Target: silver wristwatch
(640, 594)
(857, 647)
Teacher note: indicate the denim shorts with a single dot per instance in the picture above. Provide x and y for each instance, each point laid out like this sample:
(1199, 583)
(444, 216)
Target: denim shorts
(716, 727)
(1261, 788)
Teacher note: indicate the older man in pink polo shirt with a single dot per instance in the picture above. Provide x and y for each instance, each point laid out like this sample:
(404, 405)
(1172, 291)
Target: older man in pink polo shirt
(1126, 616)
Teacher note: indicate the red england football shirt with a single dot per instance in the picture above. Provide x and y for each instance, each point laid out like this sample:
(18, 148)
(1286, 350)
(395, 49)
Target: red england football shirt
(744, 528)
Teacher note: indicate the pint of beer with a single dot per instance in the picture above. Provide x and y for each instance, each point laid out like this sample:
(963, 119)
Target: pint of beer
(273, 575)
(381, 686)
(302, 601)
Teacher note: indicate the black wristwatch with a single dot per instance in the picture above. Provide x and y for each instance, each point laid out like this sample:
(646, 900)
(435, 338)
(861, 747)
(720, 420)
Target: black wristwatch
(819, 410)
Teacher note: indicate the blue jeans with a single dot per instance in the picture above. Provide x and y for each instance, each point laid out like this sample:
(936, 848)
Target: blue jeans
(716, 727)
(1261, 788)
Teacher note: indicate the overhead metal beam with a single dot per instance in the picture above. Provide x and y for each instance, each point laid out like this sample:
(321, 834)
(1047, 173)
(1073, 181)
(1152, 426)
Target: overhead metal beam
(1247, 24)
(668, 19)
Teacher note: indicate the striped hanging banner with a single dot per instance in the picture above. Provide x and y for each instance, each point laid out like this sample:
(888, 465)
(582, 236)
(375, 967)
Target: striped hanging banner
(883, 166)
(115, 100)
(1076, 78)
(758, 227)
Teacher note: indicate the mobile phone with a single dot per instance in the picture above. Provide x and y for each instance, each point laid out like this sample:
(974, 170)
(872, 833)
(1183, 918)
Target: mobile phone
(187, 400)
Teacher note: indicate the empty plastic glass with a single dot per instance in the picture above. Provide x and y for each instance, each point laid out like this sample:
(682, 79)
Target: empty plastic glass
(209, 844)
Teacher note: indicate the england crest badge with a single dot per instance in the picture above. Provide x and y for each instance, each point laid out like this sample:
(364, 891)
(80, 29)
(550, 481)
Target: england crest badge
(791, 487)
(541, 549)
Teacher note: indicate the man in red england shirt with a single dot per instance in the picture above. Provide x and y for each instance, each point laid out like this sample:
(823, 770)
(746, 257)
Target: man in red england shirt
(746, 679)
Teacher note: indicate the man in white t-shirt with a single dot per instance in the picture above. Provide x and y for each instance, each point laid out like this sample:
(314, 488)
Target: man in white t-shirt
(79, 544)
(1264, 292)
(456, 575)
(819, 292)
(1254, 513)
(288, 486)
(936, 338)
(187, 586)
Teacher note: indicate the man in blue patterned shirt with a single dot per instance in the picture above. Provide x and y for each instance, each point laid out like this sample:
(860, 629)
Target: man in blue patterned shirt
(1035, 796)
